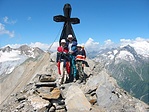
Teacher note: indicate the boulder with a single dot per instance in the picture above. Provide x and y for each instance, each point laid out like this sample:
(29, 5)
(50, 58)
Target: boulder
(76, 101)
(47, 78)
(37, 102)
(55, 94)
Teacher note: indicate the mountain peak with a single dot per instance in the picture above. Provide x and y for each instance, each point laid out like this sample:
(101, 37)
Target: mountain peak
(6, 49)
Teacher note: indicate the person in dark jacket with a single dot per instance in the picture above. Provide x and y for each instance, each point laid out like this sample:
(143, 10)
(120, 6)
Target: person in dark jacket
(63, 62)
(72, 46)
(80, 58)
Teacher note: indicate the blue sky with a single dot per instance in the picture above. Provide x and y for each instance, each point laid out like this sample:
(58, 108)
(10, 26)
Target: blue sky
(31, 21)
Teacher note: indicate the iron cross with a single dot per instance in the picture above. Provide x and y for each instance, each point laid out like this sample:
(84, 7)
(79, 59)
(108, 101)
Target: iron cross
(67, 28)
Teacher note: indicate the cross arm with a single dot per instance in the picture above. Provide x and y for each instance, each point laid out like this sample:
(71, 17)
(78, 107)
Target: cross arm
(75, 20)
(59, 18)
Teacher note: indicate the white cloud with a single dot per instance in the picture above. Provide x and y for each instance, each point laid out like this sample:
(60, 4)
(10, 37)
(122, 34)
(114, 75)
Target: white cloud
(8, 21)
(13, 45)
(108, 42)
(53, 47)
(125, 42)
(40, 45)
(91, 45)
(141, 45)
(4, 31)
(43, 46)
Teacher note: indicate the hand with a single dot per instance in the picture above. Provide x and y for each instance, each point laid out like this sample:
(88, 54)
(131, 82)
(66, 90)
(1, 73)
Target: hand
(82, 65)
(71, 52)
(57, 64)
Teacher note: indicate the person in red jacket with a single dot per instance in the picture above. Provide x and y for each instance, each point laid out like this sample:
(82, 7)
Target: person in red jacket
(63, 62)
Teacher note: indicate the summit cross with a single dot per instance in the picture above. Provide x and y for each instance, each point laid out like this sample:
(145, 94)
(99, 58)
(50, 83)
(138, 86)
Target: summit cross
(67, 28)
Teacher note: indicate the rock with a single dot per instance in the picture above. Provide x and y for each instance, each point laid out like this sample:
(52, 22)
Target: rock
(55, 94)
(20, 106)
(61, 110)
(105, 98)
(45, 89)
(93, 101)
(47, 78)
(52, 109)
(76, 100)
(37, 102)
(98, 80)
(42, 109)
(45, 84)
(20, 98)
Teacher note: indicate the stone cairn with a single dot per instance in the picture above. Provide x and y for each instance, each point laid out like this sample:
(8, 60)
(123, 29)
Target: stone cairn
(42, 95)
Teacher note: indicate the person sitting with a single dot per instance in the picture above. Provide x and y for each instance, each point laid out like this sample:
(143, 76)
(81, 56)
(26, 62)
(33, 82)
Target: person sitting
(63, 62)
(80, 58)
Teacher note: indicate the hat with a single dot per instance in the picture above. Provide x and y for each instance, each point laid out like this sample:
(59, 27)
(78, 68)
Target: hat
(79, 45)
(63, 41)
(69, 36)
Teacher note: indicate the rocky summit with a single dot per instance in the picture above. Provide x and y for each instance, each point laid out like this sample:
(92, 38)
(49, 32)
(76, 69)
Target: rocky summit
(33, 87)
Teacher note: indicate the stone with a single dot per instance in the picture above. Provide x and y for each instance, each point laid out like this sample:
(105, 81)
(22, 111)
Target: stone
(20, 98)
(47, 78)
(45, 84)
(76, 101)
(61, 110)
(55, 94)
(37, 102)
(52, 109)
(93, 101)
(20, 106)
(45, 89)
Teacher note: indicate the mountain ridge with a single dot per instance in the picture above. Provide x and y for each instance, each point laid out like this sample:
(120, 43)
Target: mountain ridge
(27, 97)
(101, 88)
(129, 68)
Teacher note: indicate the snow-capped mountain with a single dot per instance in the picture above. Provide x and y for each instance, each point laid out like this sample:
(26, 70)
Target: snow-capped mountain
(130, 66)
(11, 58)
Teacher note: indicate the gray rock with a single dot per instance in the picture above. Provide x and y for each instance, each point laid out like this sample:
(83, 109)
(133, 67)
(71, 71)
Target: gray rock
(47, 78)
(37, 102)
(76, 100)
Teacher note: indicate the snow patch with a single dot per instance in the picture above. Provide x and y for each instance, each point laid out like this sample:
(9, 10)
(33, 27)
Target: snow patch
(125, 55)
(9, 56)
(115, 52)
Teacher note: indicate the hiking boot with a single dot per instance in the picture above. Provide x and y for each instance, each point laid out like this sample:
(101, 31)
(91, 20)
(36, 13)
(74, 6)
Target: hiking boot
(79, 81)
(74, 80)
(84, 82)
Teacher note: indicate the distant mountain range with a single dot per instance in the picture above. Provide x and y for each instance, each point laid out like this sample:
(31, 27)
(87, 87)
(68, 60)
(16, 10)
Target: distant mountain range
(129, 65)
(11, 58)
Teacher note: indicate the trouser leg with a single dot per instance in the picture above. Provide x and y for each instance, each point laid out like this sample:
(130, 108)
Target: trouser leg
(74, 67)
(64, 75)
(81, 71)
(62, 72)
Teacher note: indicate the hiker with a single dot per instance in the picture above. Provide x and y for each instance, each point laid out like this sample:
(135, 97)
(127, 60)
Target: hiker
(80, 58)
(72, 45)
(63, 62)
